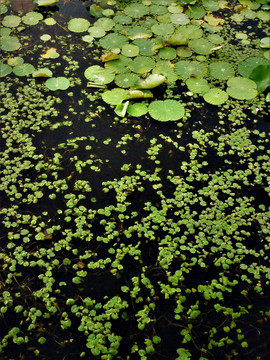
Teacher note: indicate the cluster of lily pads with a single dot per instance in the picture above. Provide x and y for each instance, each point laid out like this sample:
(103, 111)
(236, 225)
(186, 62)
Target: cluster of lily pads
(124, 238)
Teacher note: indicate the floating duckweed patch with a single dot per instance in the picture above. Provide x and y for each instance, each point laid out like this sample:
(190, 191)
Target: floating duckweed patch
(134, 180)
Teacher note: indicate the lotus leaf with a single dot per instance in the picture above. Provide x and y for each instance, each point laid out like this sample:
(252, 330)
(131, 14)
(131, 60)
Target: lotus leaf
(136, 10)
(15, 61)
(126, 80)
(99, 75)
(44, 72)
(167, 110)
(186, 69)
(32, 18)
(96, 31)
(145, 46)
(11, 21)
(221, 70)
(246, 67)
(119, 65)
(166, 69)
(57, 83)
(78, 25)
(162, 29)
(180, 19)
(105, 23)
(113, 41)
(201, 46)
(215, 96)
(24, 69)
(151, 81)
(130, 50)
(242, 88)
(5, 70)
(114, 96)
(142, 64)
(261, 76)
(167, 53)
(197, 85)
(137, 109)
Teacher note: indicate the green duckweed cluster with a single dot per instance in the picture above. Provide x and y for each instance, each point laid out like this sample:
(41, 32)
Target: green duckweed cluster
(123, 237)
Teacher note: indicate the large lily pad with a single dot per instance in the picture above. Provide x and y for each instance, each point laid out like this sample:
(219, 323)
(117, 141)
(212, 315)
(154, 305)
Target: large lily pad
(32, 18)
(221, 70)
(78, 25)
(113, 41)
(201, 46)
(99, 75)
(142, 64)
(130, 50)
(114, 96)
(242, 88)
(197, 85)
(167, 110)
(136, 10)
(137, 109)
(57, 83)
(215, 96)
(145, 46)
(246, 67)
(24, 69)
(11, 21)
(186, 69)
(126, 80)
(261, 76)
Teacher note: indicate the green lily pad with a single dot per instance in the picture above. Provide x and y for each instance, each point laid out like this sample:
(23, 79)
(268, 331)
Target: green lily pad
(3, 9)
(130, 50)
(167, 110)
(126, 80)
(261, 76)
(195, 12)
(114, 96)
(242, 88)
(32, 18)
(180, 19)
(167, 53)
(11, 21)
(44, 72)
(137, 32)
(5, 31)
(157, 10)
(96, 31)
(265, 43)
(50, 21)
(24, 69)
(5, 70)
(113, 41)
(197, 85)
(99, 75)
(137, 109)
(136, 10)
(45, 37)
(166, 69)
(120, 65)
(191, 31)
(15, 61)
(105, 23)
(122, 19)
(221, 70)
(151, 81)
(186, 69)
(142, 64)
(162, 29)
(145, 46)
(57, 83)
(78, 25)
(183, 51)
(46, 2)
(215, 39)
(246, 67)
(215, 96)
(121, 109)
(201, 46)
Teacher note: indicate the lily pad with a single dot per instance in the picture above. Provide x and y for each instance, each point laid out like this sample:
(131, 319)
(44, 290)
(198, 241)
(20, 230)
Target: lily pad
(197, 85)
(44, 72)
(4, 31)
(186, 69)
(162, 29)
(96, 31)
(24, 69)
(46, 2)
(242, 88)
(130, 50)
(136, 10)
(57, 83)
(50, 54)
(195, 12)
(145, 46)
(180, 19)
(78, 25)
(142, 64)
(15, 61)
(50, 21)
(246, 67)
(45, 37)
(201, 46)
(114, 96)
(261, 76)
(32, 18)
(105, 23)
(167, 110)
(265, 43)
(113, 41)
(99, 75)
(151, 81)
(166, 69)
(137, 32)
(221, 70)
(190, 31)
(126, 80)
(120, 65)
(3, 9)
(5, 70)
(137, 109)
(167, 53)
(216, 96)
(11, 21)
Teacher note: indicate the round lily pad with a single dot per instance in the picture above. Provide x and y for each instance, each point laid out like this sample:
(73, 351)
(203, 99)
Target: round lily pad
(105, 23)
(167, 110)
(142, 64)
(113, 41)
(136, 10)
(137, 109)
(15, 61)
(44, 72)
(137, 32)
(114, 96)
(145, 46)
(96, 31)
(221, 70)
(4, 31)
(183, 51)
(120, 65)
(45, 37)
(122, 19)
(197, 85)
(130, 50)
(126, 80)
(215, 96)
(167, 53)
(99, 75)
(3, 9)
(158, 10)
(11, 21)
(87, 38)
(190, 31)
(50, 21)
(5, 70)
(242, 88)
(265, 43)
(162, 29)
(215, 39)
(57, 83)
(32, 18)
(24, 69)
(152, 81)
(180, 19)
(195, 12)
(78, 25)
(186, 69)
(165, 68)
(246, 67)
(201, 46)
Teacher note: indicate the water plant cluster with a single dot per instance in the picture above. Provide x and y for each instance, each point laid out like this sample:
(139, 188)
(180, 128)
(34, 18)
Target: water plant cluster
(135, 180)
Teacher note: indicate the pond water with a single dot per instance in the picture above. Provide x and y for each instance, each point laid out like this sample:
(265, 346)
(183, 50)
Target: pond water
(135, 180)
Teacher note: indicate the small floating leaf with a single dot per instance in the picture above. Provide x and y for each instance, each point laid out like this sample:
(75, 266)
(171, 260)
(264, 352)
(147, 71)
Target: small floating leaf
(185, 69)
(215, 96)
(265, 43)
(142, 64)
(57, 83)
(114, 96)
(46, 2)
(197, 85)
(201, 46)
(246, 67)
(126, 80)
(221, 70)
(167, 53)
(151, 81)
(32, 18)
(11, 21)
(145, 46)
(78, 25)
(261, 76)
(99, 75)
(167, 110)
(15, 61)
(119, 65)
(112, 41)
(180, 19)
(44, 72)
(242, 88)
(24, 69)
(137, 109)
(136, 10)
(96, 31)
(50, 54)
(130, 50)
(5, 70)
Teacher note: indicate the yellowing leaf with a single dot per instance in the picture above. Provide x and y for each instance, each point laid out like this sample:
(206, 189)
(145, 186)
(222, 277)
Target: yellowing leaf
(214, 20)
(50, 54)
